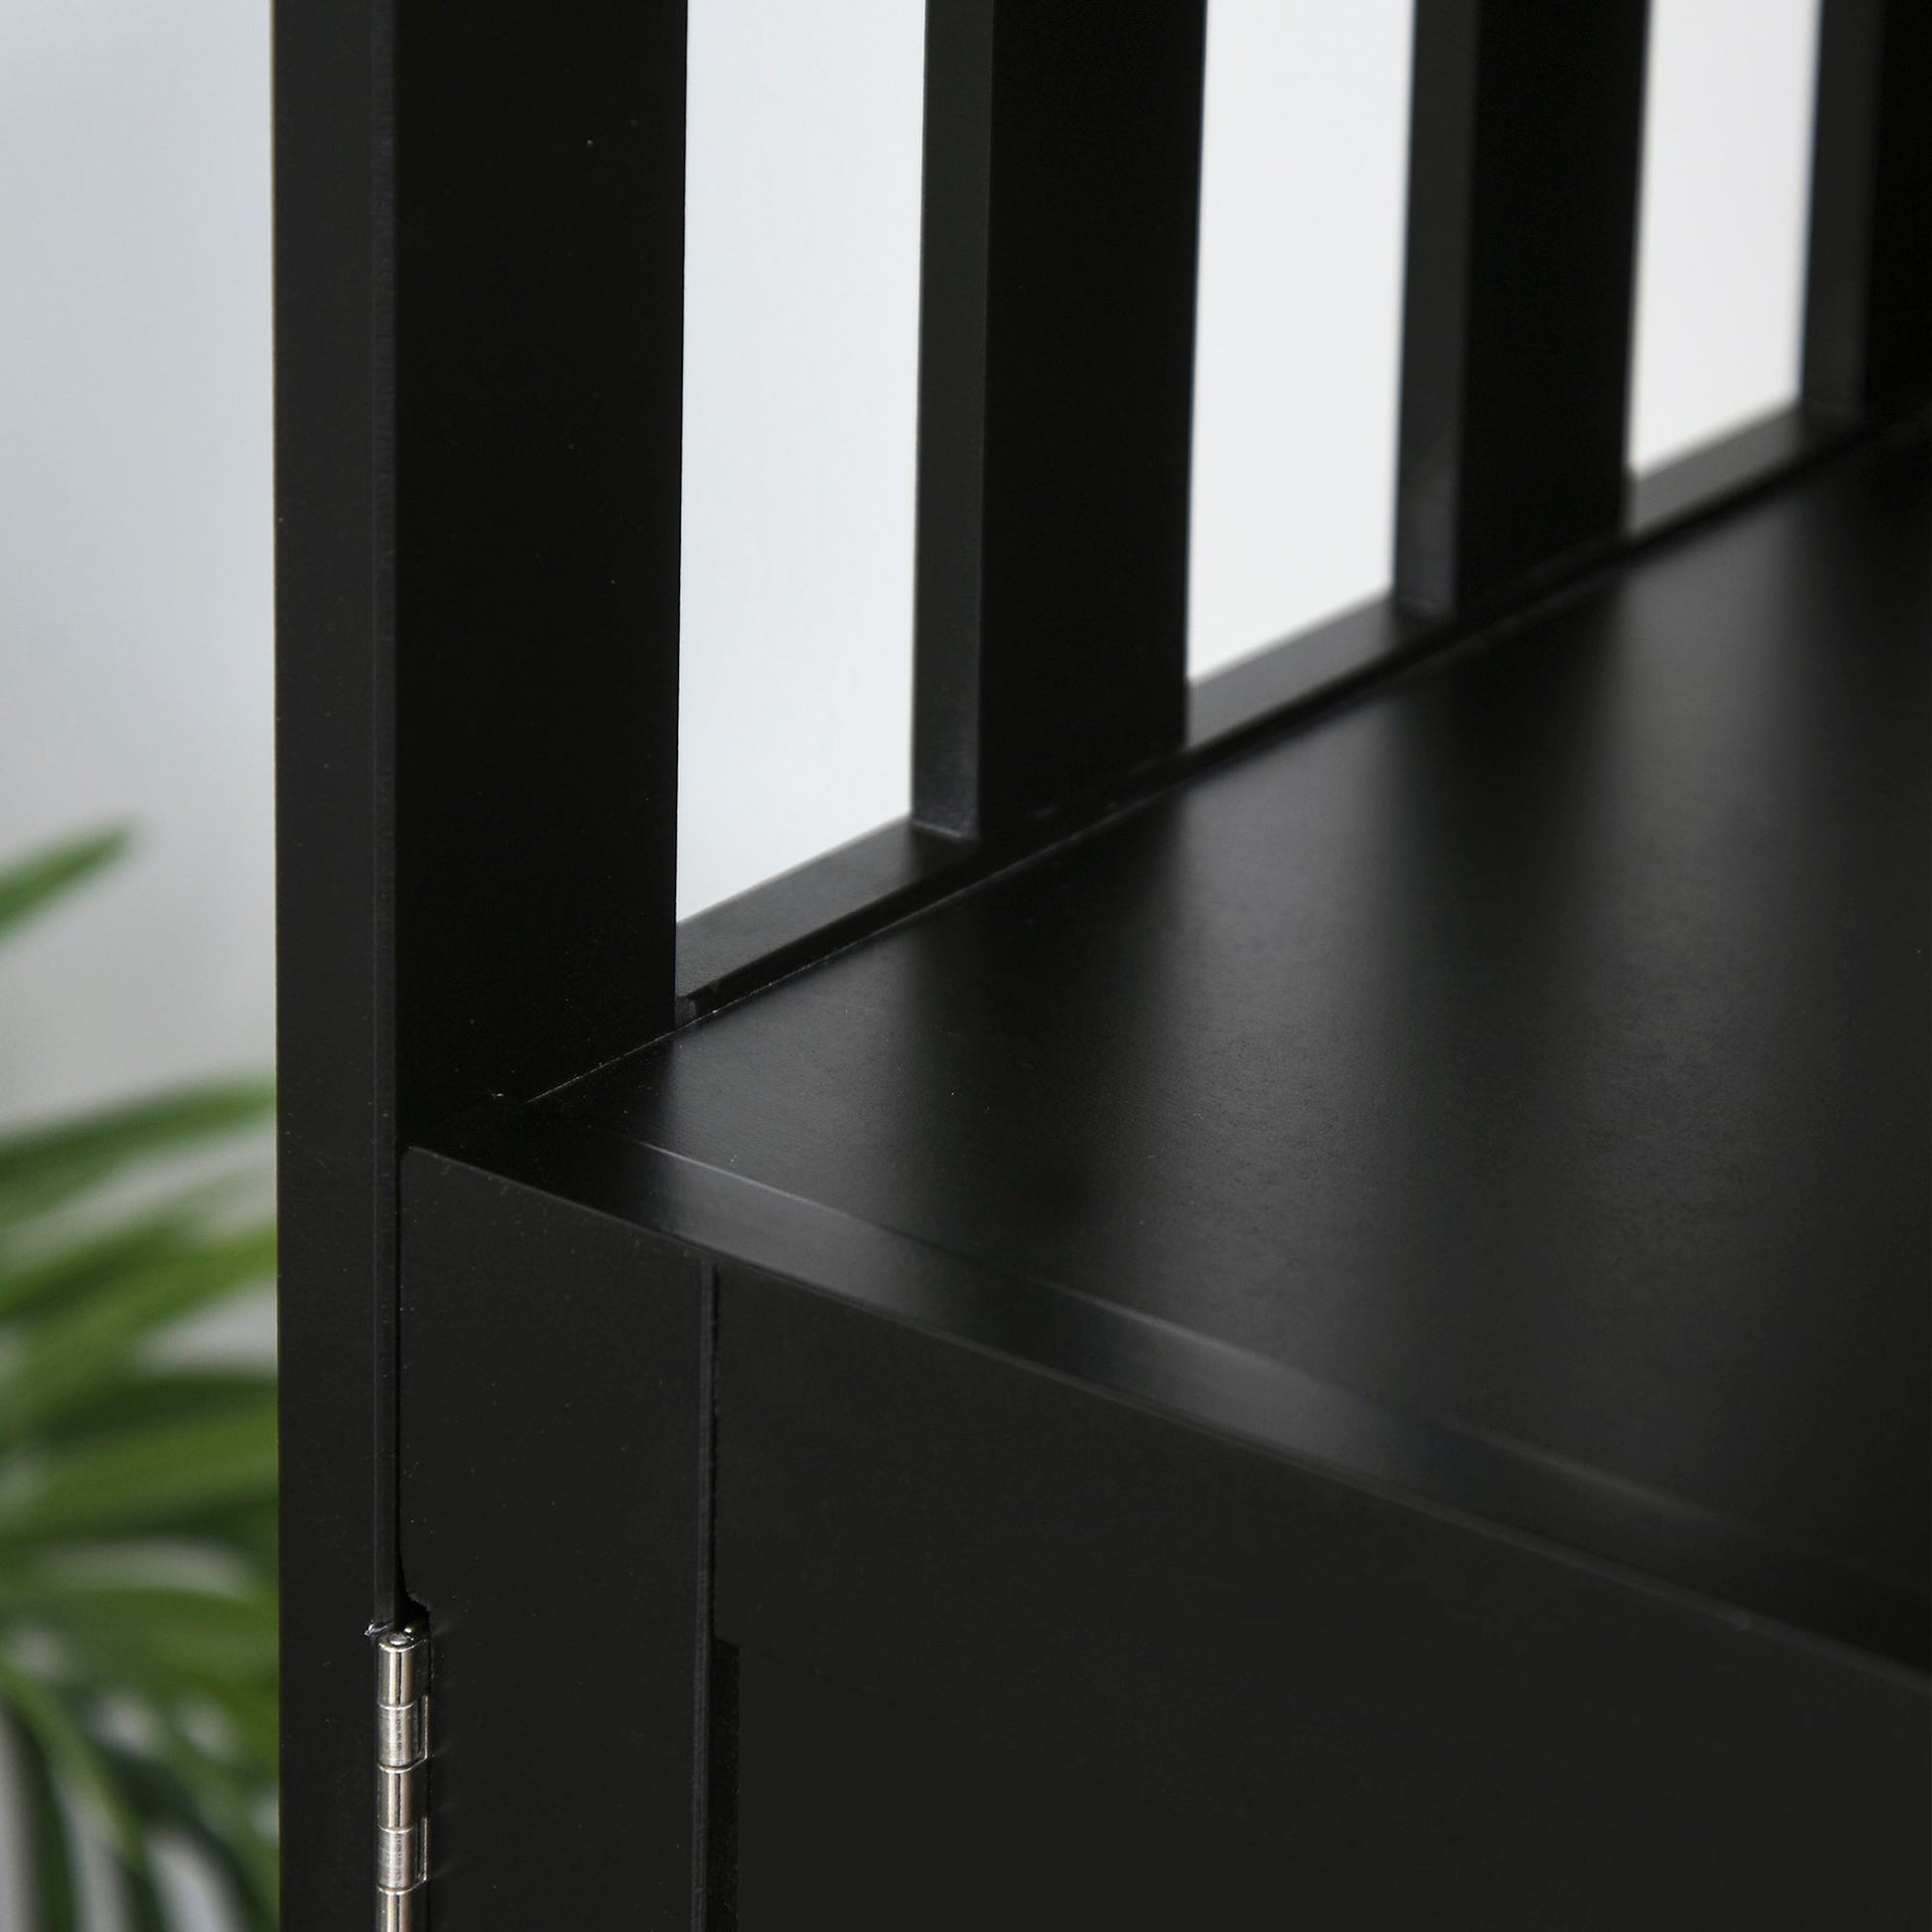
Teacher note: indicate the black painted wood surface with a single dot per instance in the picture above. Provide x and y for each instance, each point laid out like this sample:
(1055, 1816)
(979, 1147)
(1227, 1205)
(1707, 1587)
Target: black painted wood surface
(1056, 339)
(1394, 1183)
(1433, 1717)
(1868, 264)
(735, 948)
(479, 316)
(1525, 146)
(555, 1533)
(537, 258)
(335, 1144)
(859, 1812)
(1533, 1058)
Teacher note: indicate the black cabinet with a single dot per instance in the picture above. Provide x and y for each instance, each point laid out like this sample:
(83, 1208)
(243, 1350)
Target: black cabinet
(1312, 1309)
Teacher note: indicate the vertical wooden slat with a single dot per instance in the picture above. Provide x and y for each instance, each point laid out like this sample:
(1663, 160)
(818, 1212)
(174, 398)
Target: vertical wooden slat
(479, 314)
(1526, 145)
(336, 1276)
(1868, 285)
(538, 397)
(1061, 220)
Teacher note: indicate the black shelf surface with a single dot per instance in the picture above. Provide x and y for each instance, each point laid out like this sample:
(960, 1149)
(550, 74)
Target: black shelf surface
(1509, 1090)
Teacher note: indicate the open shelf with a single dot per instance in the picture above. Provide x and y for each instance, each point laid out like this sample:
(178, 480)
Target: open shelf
(1509, 1090)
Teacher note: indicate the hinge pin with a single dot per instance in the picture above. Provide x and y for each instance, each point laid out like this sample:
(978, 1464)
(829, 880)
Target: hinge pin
(401, 1778)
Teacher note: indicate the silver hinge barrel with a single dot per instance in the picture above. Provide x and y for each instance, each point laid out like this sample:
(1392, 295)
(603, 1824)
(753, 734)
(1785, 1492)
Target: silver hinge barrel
(401, 1858)
(401, 1795)
(401, 1734)
(401, 1779)
(401, 1666)
(400, 1911)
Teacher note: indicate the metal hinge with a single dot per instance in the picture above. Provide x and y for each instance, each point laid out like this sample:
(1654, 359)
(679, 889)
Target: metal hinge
(401, 1778)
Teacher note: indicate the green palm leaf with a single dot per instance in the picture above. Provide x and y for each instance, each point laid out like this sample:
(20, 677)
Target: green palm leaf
(158, 1398)
(137, 1495)
(209, 1641)
(72, 1755)
(33, 883)
(169, 1477)
(48, 1167)
(51, 1852)
(80, 1264)
(219, 1823)
(83, 1349)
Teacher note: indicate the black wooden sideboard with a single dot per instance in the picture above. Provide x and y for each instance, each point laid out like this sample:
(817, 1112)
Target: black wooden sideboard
(1303, 1300)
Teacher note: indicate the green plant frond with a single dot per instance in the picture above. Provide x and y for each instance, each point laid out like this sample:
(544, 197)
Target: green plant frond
(213, 1632)
(252, 1530)
(140, 1562)
(171, 1644)
(43, 1166)
(138, 1666)
(242, 1853)
(227, 1798)
(140, 1781)
(52, 1855)
(31, 885)
(225, 1547)
(166, 1646)
(83, 1349)
(242, 1714)
(143, 1908)
(75, 1757)
(146, 1481)
(253, 1714)
(57, 1272)
(173, 1395)
(66, 1271)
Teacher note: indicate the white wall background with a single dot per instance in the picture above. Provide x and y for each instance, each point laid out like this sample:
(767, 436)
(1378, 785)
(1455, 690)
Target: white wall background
(136, 532)
(800, 364)
(134, 429)
(135, 569)
(1302, 186)
(1721, 245)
